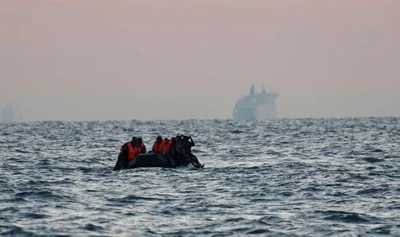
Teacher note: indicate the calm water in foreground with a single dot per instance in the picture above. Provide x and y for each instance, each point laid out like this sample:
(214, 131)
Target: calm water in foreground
(300, 177)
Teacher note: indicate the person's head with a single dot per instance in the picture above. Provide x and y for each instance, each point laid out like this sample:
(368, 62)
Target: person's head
(159, 139)
(186, 138)
(166, 140)
(140, 140)
(134, 140)
(173, 140)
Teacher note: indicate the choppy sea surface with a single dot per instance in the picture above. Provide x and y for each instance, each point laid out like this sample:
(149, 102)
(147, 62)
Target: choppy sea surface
(286, 177)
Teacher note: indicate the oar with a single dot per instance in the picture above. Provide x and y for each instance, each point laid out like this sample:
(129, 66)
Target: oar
(196, 162)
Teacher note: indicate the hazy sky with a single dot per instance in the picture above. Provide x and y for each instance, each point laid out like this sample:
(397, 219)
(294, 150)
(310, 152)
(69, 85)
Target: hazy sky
(180, 59)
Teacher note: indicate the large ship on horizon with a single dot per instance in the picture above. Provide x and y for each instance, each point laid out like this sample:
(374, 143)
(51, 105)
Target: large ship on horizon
(255, 106)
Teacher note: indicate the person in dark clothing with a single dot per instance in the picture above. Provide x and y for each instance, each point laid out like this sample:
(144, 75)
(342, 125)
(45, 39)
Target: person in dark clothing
(173, 151)
(180, 146)
(189, 143)
(190, 158)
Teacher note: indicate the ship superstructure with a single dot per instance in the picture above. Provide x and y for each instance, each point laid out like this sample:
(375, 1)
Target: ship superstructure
(255, 106)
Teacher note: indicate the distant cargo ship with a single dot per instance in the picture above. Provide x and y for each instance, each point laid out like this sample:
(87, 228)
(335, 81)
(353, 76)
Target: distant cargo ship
(254, 106)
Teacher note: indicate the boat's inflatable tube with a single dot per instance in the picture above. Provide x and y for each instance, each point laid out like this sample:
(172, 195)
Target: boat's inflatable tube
(151, 160)
(154, 160)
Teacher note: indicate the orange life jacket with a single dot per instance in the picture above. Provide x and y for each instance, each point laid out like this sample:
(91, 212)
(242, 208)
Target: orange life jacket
(168, 147)
(158, 148)
(132, 151)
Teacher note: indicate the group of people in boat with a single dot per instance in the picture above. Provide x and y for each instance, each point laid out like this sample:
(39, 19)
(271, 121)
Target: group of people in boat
(177, 148)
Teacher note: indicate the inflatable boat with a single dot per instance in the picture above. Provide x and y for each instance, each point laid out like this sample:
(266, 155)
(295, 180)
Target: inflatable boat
(154, 160)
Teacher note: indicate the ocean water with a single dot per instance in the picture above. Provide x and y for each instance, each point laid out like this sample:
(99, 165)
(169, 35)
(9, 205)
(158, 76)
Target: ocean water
(286, 177)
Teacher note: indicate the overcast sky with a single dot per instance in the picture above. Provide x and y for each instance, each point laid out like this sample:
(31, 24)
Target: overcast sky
(181, 59)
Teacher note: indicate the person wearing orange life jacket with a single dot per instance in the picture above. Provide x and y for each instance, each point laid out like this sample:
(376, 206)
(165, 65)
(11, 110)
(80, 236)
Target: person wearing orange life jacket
(141, 145)
(167, 146)
(129, 151)
(170, 148)
(132, 148)
(158, 146)
(133, 142)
